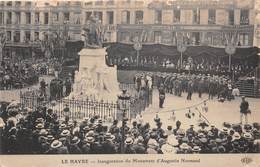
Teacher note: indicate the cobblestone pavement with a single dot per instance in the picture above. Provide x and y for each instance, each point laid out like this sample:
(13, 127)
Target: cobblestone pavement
(217, 114)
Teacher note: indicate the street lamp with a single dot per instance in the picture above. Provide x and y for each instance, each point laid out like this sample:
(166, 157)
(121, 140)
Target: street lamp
(181, 48)
(123, 101)
(137, 47)
(230, 50)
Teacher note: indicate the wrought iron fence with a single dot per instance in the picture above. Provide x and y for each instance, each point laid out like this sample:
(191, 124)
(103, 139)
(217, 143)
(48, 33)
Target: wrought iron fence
(78, 109)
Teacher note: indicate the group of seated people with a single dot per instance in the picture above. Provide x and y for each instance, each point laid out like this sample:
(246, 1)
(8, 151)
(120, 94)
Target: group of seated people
(189, 64)
(17, 75)
(39, 131)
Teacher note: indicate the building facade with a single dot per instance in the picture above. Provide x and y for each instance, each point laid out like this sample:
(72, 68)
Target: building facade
(193, 22)
(257, 24)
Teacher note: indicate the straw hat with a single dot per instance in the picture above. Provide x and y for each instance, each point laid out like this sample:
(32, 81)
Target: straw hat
(43, 132)
(109, 136)
(196, 149)
(236, 136)
(247, 136)
(167, 149)
(56, 144)
(184, 146)
(90, 139)
(65, 133)
(90, 134)
(75, 140)
(129, 141)
(50, 138)
(39, 126)
(62, 126)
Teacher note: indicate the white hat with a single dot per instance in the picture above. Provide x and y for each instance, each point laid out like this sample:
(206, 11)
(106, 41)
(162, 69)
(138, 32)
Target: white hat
(171, 140)
(56, 144)
(236, 136)
(168, 149)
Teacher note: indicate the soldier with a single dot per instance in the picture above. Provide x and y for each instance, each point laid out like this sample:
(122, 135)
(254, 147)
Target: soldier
(200, 87)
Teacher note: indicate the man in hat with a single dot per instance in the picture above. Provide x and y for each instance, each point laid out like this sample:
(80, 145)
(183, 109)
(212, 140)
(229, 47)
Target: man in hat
(56, 148)
(244, 110)
(113, 126)
(178, 125)
(189, 90)
(43, 86)
(129, 146)
(161, 95)
(138, 145)
(108, 144)
(74, 146)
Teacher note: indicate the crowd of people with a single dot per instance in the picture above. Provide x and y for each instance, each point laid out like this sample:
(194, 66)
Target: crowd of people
(177, 83)
(201, 65)
(39, 131)
(17, 75)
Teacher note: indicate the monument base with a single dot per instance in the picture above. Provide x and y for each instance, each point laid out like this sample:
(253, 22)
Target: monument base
(95, 80)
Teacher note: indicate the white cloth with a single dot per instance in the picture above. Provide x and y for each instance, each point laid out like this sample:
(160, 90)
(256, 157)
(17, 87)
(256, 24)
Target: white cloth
(235, 92)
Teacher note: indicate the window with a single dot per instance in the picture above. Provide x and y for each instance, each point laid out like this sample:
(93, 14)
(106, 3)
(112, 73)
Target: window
(231, 17)
(99, 15)
(98, 2)
(28, 18)
(110, 2)
(9, 3)
(244, 39)
(88, 3)
(244, 17)
(157, 36)
(55, 17)
(125, 17)
(196, 16)
(158, 17)
(2, 3)
(36, 36)
(110, 17)
(212, 16)
(17, 3)
(139, 15)
(66, 16)
(46, 18)
(28, 4)
(37, 18)
(1, 18)
(27, 36)
(8, 35)
(17, 36)
(88, 14)
(17, 17)
(176, 16)
(9, 18)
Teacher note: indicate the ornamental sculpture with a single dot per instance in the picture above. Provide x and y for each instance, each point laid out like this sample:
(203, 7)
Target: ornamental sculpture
(93, 33)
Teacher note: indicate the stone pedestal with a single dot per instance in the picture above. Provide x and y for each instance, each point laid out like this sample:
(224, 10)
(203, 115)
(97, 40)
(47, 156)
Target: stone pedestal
(95, 80)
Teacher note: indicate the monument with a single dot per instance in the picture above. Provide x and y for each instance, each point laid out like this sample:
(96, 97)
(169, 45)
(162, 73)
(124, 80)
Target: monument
(94, 80)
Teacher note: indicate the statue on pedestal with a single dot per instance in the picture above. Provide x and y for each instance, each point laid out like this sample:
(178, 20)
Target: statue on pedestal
(93, 33)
